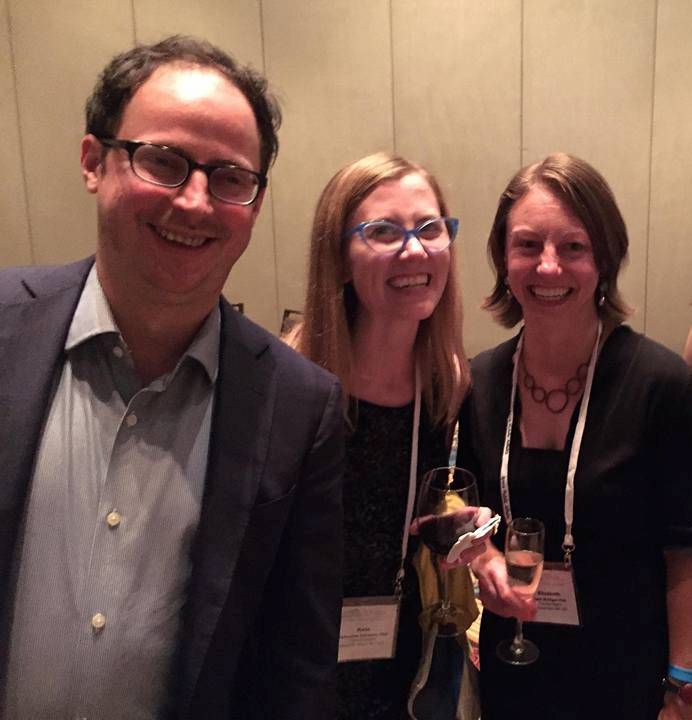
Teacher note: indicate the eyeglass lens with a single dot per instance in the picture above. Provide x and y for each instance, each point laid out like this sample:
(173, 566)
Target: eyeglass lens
(165, 167)
(435, 235)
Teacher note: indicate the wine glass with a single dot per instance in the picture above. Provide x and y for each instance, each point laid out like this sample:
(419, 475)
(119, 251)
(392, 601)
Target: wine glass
(524, 558)
(444, 492)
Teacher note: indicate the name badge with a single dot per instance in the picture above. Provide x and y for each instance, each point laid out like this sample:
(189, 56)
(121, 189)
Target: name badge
(556, 596)
(368, 628)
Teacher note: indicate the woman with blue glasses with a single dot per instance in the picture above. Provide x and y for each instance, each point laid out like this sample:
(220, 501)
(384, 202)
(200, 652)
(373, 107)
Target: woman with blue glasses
(382, 312)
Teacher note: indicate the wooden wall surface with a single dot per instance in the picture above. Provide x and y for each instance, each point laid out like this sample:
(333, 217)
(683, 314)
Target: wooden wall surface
(472, 90)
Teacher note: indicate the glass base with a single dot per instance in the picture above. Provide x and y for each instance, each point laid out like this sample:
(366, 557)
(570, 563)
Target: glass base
(446, 619)
(513, 653)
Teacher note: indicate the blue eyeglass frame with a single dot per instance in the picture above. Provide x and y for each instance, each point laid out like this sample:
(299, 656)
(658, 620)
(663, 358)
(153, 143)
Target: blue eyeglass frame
(131, 146)
(452, 224)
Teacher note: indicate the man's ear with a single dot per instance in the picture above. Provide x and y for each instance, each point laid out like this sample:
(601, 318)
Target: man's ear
(91, 162)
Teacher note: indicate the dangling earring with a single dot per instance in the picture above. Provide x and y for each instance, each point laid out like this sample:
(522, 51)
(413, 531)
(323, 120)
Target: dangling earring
(508, 290)
(602, 298)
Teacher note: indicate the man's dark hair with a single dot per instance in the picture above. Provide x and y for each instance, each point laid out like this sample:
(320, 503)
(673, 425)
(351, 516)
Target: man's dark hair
(126, 72)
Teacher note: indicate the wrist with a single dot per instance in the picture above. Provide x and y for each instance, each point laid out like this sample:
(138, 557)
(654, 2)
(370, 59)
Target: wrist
(679, 682)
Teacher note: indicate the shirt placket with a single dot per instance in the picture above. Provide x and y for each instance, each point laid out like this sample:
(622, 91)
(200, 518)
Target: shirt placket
(100, 609)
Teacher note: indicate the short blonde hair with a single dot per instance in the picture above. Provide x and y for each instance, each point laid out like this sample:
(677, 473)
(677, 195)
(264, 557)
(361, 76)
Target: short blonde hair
(584, 190)
(331, 304)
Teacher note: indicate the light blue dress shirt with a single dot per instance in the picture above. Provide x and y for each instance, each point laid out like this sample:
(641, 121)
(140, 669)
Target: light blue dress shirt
(114, 505)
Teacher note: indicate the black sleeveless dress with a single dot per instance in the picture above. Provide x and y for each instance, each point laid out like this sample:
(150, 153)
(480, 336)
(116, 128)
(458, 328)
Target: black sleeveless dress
(375, 492)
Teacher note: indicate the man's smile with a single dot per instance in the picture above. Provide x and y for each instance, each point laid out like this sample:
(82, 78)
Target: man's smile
(179, 238)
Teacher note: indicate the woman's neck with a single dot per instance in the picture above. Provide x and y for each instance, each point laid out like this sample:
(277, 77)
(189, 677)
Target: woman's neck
(384, 361)
(557, 352)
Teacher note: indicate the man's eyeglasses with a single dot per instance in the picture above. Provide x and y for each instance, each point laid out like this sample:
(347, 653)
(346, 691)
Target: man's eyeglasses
(434, 235)
(161, 165)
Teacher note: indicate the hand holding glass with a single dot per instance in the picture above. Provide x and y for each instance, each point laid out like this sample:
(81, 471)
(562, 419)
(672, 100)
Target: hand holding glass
(524, 544)
(444, 492)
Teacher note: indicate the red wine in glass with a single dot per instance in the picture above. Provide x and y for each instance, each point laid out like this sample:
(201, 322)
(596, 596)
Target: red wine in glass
(443, 494)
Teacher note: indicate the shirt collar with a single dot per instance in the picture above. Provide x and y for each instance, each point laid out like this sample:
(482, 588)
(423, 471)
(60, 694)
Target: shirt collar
(93, 317)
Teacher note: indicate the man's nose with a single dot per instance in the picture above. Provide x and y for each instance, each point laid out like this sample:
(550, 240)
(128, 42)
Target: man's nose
(193, 195)
(549, 262)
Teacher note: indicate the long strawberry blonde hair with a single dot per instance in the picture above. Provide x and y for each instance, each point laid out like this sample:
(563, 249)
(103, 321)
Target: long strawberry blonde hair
(331, 305)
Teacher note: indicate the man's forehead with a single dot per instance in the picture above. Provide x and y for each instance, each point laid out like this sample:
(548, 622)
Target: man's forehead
(191, 94)
(192, 82)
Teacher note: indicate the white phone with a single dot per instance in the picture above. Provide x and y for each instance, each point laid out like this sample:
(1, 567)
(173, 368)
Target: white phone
(465, 541)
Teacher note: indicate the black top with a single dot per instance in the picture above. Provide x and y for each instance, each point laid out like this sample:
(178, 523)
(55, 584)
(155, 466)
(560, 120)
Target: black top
(376, 483)
(632, 498)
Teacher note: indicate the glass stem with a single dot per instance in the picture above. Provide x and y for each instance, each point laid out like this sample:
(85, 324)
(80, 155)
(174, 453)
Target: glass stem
(444, 591)
(518, 642)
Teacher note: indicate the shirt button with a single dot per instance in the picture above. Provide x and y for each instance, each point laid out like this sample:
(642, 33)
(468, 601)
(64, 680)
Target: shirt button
(131, 420)
(118, 351)
(98, 622)
(113, 518)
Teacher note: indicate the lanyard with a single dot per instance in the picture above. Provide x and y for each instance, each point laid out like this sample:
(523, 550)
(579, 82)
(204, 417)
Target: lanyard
(568, 545)
(413, 472)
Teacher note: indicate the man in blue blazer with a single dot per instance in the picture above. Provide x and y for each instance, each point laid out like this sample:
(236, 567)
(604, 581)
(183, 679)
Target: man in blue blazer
(170, 501)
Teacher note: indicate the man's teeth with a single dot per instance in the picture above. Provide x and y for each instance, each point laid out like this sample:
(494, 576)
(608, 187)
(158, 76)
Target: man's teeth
(404, 281)
(550, 293)
(181, 239)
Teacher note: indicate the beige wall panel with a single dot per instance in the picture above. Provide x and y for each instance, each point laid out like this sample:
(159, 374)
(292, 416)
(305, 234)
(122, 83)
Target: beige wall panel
(331, 62)
(457, 103)
(235, 26)
(587, 87)
(15, 246)
(669, 313)
(59, 47)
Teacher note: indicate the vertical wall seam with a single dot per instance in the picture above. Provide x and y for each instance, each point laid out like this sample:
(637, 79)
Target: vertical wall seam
(135, 39)
(22, 154)
(521, 84)
(392, 74)
(651, 167)
(272, 208)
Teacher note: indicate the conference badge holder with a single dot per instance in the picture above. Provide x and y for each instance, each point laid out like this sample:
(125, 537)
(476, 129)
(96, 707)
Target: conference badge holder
(368, 628)
(556, 596)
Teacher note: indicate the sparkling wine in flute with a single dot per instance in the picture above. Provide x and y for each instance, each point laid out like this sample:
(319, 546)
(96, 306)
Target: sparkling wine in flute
(524, 568)
(524, 545)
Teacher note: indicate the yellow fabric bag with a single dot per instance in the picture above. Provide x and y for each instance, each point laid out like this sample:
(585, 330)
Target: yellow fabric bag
(461, 595)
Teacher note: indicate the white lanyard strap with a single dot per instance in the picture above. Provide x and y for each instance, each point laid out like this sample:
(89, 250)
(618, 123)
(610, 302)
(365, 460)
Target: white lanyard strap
(568, 541)
(452, 462)
(568, 545)
(413, 473)
(504, 467)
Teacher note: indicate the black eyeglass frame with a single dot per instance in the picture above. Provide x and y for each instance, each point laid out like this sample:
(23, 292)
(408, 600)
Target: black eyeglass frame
(131, 146)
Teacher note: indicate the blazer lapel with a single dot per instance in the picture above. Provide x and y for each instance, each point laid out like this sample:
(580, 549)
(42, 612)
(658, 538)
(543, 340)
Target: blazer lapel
(237, 453)
(32, 338)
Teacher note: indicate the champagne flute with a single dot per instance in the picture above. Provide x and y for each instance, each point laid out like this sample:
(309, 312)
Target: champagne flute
(524, 545)
(444, 492)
